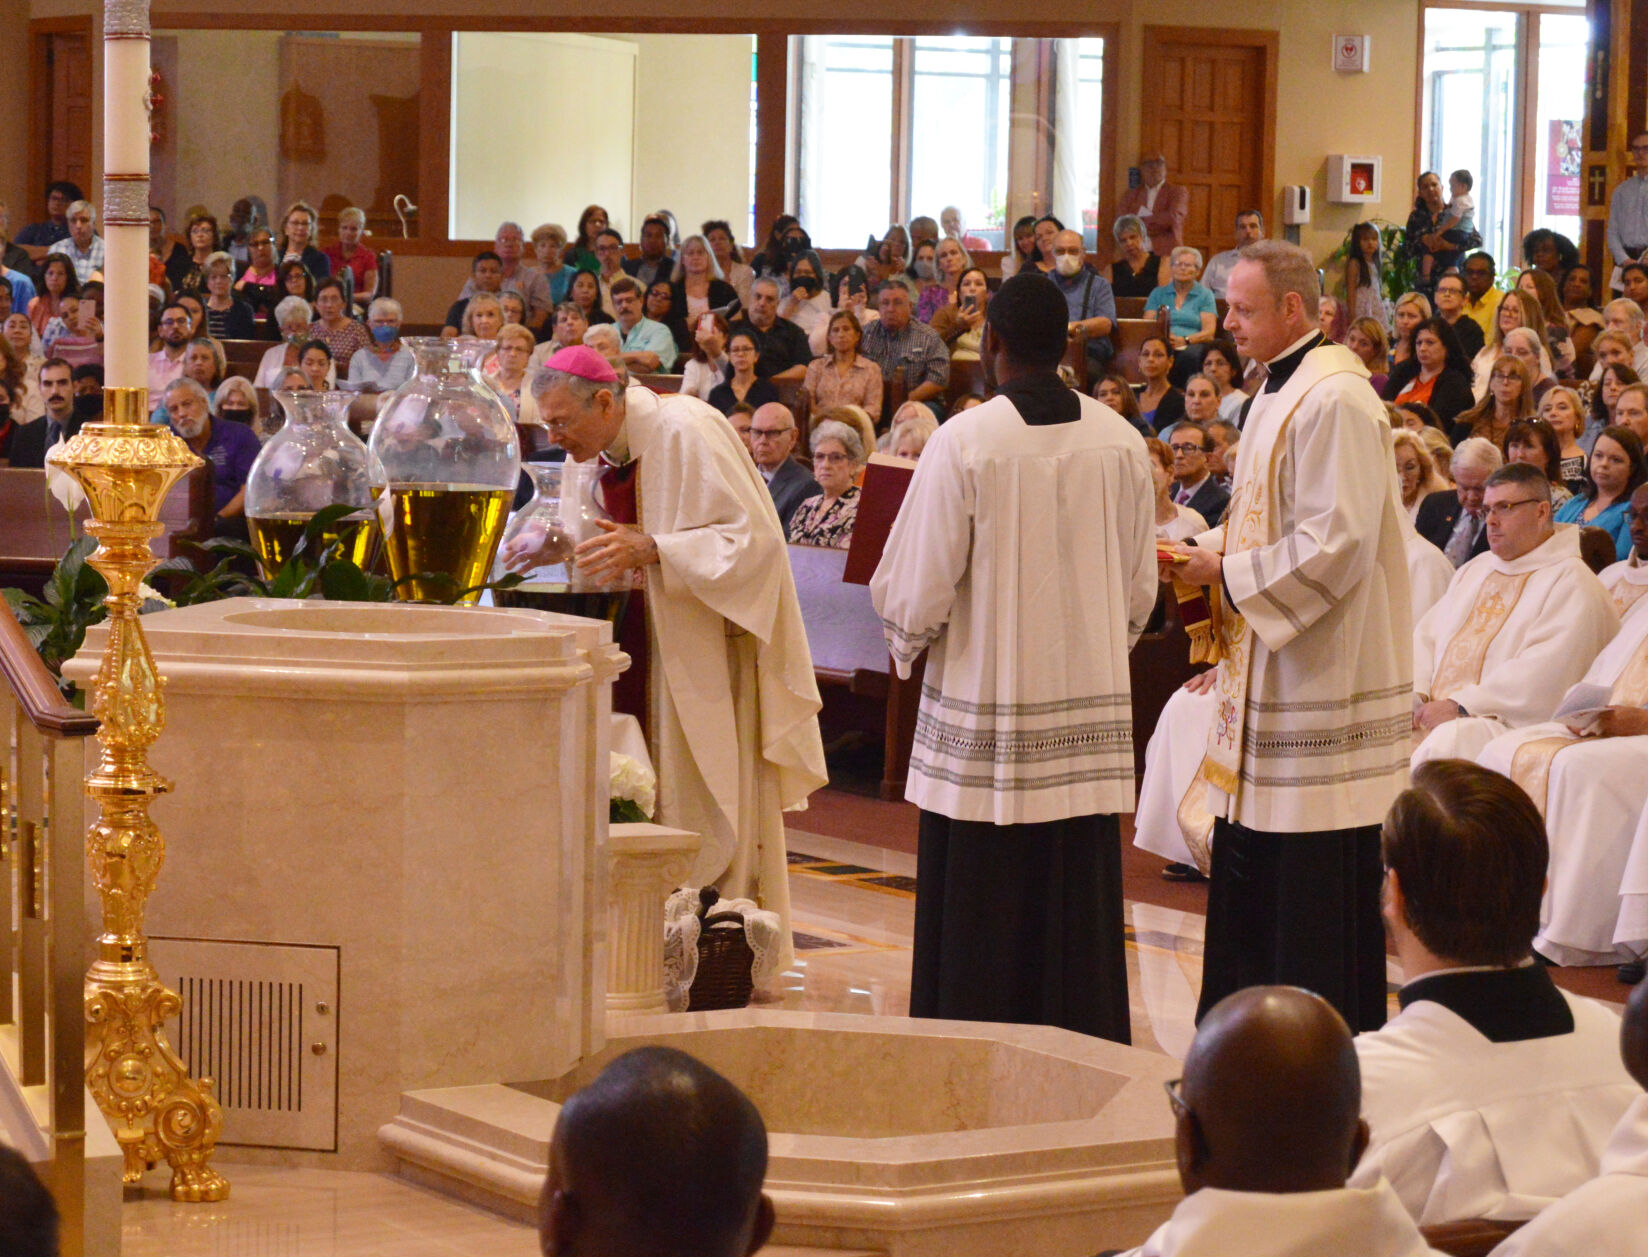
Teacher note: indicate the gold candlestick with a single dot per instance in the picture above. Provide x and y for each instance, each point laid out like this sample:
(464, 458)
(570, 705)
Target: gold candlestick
(126, 467)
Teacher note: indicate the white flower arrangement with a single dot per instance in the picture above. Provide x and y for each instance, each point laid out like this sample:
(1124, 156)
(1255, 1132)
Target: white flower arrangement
(632, 789)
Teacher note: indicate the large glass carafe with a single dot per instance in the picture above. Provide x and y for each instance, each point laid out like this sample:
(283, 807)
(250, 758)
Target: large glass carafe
(313, 462)
(445, 462)
(540, 539)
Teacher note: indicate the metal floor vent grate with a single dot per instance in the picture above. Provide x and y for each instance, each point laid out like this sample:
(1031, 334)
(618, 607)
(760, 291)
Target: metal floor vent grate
(260, 1020)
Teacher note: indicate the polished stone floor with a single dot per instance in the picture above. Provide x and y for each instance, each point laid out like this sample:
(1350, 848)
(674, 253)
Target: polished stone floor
(853, 907)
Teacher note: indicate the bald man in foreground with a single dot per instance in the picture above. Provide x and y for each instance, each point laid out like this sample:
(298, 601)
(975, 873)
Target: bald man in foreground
(1607, 1217)
(660, 1156)
(1268, 1127)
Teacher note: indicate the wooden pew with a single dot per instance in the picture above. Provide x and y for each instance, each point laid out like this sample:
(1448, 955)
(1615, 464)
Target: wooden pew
(1130, 307)
(1474, 1237)
(35, 530)
(660, 383)
(245, 356)
(966, 379)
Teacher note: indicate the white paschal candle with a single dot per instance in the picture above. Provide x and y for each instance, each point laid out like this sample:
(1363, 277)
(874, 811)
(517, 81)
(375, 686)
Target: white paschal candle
(125, 218)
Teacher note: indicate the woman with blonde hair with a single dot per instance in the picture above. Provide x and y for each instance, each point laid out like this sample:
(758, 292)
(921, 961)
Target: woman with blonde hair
(1516, 309)
(1509, 398)
(1411, 309)
(1441, 451)
(1415, 470)
(515, 346)
(1562, 408)
(347, 254)
(1542, 288)
(1367, 340)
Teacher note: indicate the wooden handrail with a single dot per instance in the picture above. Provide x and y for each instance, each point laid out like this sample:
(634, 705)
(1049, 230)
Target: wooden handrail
(42, 702)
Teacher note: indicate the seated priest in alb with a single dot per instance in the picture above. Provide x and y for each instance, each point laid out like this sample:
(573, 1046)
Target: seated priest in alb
(1492, 1092)
(1608, 1216)
(1587, 772)
(1517, 627)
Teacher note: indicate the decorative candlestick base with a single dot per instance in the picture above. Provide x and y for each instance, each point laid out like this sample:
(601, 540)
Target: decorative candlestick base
(142, 1085)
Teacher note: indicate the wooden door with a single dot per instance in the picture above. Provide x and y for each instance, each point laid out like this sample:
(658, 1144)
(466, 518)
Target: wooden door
(68, 116)
(1210, 107)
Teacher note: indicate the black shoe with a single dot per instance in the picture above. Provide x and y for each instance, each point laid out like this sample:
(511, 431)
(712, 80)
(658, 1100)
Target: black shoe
(1631, 972)
(1182, 873)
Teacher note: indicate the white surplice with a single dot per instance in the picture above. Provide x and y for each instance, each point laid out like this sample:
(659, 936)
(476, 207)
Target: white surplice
(1607, 1217)
(734, 700)
(1326, 714)
(1596, 792)
(1467, 1128)
(1364, 1221)
(1536, 622)
(1024, 559)
(1179, 741)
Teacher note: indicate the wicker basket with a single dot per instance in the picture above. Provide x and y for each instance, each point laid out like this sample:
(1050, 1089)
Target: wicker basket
(725, 962)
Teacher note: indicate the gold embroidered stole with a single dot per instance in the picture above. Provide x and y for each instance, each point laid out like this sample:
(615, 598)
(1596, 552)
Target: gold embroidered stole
(1196, 822)
(1461, 662)
(1625, 594)
(1248, 523)
(1531, 765)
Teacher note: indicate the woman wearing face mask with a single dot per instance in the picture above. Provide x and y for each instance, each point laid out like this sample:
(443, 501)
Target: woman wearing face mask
(292, 316)
(385, 364)
(807, 304)
(237, 401)
(923, 272)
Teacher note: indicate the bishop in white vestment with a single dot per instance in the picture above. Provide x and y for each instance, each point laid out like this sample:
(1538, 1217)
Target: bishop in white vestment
(1592, 792)
(1517, 627)
(1023, 561)
(1309, 746)
(734, 702)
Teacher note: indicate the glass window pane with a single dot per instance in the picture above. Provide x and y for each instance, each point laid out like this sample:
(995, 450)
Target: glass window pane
(327, 117)
(846, 125)
(1078, 109)
(1470, 114)
(619, 97)
(1559, 153)
(962, 89)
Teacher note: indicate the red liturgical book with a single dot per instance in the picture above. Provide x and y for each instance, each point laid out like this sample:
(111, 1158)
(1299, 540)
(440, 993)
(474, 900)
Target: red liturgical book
(886, 481)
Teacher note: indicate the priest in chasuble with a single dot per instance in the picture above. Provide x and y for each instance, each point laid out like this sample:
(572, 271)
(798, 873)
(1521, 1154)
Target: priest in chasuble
(734, 702)
(1309, 745)
(1022, 560)
(1517, 627)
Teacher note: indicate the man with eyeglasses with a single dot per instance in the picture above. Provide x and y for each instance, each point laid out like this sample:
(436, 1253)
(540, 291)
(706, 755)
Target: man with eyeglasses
(1517, 627)
(772, 440)
(1196, 488)
(1628, 214)
(1267, 1126)
(1450, 308)
(166, 363)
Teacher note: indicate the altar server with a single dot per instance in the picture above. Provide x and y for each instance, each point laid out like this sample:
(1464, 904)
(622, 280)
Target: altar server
(1492, 1092)
(735, 703)
(1023, 561)
(1267, 1128)
(1592, 791)
(1309, 745)
(1608, 1216)
(1516, 628)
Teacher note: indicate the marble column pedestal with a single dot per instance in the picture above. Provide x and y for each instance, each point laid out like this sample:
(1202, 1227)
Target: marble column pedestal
(647, 862)
(422, 789)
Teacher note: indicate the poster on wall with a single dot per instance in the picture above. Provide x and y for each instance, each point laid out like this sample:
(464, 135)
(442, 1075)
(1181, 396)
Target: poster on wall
(1562, 170)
